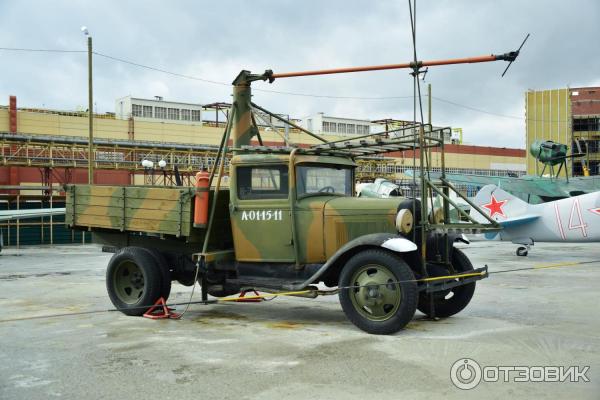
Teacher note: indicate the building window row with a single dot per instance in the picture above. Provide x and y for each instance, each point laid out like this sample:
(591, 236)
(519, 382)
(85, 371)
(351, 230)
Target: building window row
(136, 110)
(175, 114)
(586, 124)
(160, 112)
(345, 129)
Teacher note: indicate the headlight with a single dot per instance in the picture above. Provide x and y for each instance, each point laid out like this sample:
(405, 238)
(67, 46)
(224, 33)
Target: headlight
(404, 221)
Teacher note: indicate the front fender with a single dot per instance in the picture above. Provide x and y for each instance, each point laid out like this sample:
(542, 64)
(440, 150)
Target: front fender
(399, 245)
(390, 241)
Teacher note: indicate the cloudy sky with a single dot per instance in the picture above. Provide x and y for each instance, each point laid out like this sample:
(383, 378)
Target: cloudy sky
(214, 40)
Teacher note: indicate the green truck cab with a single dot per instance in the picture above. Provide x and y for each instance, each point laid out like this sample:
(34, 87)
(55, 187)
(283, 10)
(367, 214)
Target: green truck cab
(289, 221)
(299, 209)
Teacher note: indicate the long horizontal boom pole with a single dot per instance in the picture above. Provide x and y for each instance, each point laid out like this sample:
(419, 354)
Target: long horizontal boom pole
(511, 56)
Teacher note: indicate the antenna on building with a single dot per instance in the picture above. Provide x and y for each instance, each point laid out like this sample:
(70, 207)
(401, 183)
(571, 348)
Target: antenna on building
(158, 98)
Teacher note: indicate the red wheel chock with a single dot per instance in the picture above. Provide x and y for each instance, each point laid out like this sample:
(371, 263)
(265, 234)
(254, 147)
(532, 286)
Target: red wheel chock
(160, 311)
(242, 299)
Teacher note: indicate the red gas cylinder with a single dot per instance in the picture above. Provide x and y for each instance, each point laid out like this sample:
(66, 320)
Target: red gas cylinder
(201, 202)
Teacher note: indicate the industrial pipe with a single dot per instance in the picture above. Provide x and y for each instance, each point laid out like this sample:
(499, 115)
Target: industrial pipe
(511, 56)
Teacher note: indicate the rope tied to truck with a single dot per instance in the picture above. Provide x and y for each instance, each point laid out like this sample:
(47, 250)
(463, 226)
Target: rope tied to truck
(271, 296)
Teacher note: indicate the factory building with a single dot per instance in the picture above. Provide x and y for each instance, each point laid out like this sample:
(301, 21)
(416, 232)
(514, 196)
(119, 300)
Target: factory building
(158, 110)
(570, 116)
(41, 150)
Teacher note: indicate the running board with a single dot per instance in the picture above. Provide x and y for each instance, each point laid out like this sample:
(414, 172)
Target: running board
(264, 283)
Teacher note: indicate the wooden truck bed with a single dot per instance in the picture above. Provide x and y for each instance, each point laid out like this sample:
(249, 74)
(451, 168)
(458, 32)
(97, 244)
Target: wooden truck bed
(159, 210)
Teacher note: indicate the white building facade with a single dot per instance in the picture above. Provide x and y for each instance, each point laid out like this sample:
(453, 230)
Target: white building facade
(158, 110)
(323, 124)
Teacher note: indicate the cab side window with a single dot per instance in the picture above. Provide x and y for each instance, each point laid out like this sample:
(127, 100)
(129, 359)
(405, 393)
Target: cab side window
(262, 182)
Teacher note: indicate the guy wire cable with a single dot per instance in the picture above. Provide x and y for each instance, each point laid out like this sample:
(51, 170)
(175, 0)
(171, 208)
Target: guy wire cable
(299, 292)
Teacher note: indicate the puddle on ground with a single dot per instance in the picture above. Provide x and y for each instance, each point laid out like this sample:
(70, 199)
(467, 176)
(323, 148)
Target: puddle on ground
(423, 324)
(220, 315)
(285, 325)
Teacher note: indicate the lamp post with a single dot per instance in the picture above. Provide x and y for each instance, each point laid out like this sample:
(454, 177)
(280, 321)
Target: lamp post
(90, 109)
(162, 164)
(148, 169)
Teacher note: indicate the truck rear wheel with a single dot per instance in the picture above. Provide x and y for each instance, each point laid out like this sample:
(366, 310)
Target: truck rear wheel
(374, 301)
(133, 280)
(165, 272)
(452, 301)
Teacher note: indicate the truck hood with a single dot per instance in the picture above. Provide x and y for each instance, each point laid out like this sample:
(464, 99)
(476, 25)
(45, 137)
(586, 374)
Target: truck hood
(362, 206)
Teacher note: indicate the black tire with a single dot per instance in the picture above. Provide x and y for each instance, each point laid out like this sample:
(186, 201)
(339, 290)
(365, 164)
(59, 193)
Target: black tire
(133, 280)
(218, 286)
(452, 301)
(522, 251)
(165, 272)
(223, 290)
(392, 316)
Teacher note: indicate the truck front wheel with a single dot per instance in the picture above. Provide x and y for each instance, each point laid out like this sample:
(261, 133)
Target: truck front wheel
(452, 301)
(133, 280)
(377, 292)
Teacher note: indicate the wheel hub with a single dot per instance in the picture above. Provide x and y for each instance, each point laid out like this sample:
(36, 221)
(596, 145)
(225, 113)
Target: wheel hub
(137, 280)
(128, 281)
(375, 295)
(372, 293)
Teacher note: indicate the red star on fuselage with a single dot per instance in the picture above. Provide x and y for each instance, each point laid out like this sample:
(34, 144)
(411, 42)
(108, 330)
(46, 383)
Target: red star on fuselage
(495, 207)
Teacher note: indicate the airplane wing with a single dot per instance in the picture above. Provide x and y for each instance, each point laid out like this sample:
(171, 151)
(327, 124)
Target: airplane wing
(582, 185)
(8, 215)
(523, 186)
(521, 219)
(475, 180)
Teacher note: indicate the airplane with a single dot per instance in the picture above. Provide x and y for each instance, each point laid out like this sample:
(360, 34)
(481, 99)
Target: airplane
(574, 219)
(540, 188)
(381, 188)
(10, 215)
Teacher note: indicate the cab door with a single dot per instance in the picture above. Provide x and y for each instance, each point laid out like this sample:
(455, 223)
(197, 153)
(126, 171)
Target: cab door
(260, 213)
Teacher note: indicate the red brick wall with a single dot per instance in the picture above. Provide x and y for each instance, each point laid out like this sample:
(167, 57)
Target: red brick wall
(586, 102)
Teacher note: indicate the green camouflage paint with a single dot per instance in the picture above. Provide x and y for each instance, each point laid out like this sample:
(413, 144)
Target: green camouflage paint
(133, 208)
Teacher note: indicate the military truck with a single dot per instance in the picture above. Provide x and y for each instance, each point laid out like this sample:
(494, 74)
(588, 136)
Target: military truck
(289, 221)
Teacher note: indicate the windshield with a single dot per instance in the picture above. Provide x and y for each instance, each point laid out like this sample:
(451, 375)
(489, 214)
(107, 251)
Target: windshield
(326, 180)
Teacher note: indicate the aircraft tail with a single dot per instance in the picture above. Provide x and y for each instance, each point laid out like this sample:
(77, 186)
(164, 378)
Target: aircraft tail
(499, 205)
